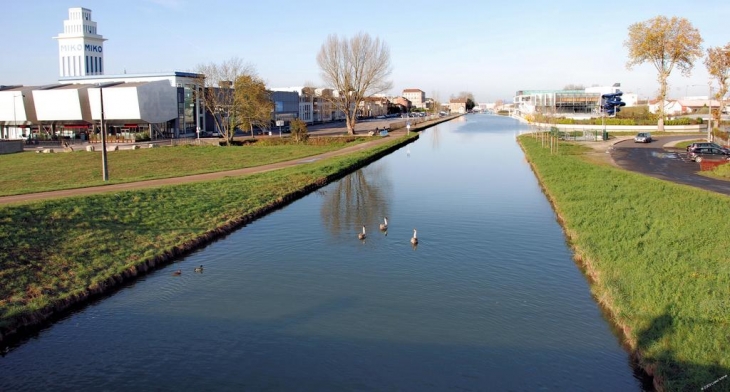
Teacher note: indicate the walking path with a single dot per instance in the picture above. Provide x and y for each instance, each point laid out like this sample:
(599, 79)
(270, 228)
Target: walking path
(197, 177)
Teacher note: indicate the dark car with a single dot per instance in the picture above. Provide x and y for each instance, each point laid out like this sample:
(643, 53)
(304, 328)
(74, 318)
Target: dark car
(642, 137)
(709, 154)
(697, 145)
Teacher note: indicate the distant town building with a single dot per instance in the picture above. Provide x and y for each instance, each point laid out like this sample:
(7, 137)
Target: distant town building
(416, 97)
(457, 105)
(403, 104)
(562, 102)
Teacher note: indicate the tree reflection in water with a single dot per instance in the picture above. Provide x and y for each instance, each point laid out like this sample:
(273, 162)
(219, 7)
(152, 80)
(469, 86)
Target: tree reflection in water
(360, 198)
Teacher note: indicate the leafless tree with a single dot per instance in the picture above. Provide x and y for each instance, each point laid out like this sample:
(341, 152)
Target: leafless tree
(217, 95)
(574, 87)
(355, 69)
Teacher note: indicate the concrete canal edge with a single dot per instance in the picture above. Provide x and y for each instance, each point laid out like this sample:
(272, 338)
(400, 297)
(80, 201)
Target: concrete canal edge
(604, 300)
(30, 324)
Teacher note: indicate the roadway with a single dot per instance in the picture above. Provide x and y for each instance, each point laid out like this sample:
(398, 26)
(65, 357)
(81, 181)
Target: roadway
(660, 159)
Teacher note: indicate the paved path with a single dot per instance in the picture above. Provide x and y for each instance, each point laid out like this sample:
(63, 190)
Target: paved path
(198, 177)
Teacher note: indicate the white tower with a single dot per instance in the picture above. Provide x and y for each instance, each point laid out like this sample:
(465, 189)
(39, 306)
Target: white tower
(80, 48)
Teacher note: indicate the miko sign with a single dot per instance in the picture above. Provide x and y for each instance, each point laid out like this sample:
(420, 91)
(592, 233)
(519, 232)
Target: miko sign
(612, 103)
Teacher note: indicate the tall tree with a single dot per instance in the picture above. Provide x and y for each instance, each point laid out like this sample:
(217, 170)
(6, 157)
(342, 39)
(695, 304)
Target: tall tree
(665, 43)
(252, 103)
(470, 102)
(718, 66)
(217, 94)
(355, 69)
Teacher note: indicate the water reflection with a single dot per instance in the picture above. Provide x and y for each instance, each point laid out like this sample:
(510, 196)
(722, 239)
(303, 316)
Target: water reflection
(361, 198)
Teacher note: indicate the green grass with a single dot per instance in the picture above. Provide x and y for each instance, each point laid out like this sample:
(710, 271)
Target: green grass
(657, 253)
(59, 249)
(28, 172)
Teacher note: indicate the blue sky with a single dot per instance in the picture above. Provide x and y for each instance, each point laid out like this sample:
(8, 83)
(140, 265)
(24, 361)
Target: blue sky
(489, 48)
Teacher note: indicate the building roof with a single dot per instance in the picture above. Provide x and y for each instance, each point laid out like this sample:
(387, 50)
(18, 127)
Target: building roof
(412, 90)
(457, 100)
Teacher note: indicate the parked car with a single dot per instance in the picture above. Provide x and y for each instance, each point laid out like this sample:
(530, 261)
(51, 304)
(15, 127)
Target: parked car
(697, 145)
(642, 137)
(709, 154)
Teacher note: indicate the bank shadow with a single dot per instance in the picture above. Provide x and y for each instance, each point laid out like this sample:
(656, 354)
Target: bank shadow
(668, 371)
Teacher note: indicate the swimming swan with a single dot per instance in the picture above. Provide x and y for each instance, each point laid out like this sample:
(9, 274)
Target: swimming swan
(362, 235)
(414, 239)
(384, 225)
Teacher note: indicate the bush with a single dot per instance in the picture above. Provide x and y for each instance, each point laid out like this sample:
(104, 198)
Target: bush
(142, 137)
(299, 131)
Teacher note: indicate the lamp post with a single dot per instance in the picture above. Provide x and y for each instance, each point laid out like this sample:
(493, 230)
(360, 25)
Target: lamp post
(104, 168)
(15, 114)
(709, 114)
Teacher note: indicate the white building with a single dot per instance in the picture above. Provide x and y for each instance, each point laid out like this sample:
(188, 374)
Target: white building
(416, 96)
(166, 105)
(80, 48)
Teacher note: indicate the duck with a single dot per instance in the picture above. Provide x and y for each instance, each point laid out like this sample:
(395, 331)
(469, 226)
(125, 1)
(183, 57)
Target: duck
(414, 239)
(384, 225)
(199, 269)
(178, 272)
(362, 235)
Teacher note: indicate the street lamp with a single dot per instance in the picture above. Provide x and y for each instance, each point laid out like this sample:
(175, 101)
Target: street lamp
(104, 168)
(709, 118)
(15, 115)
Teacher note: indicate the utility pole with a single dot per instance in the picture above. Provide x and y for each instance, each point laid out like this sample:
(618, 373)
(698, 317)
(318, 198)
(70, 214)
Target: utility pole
(104, 168)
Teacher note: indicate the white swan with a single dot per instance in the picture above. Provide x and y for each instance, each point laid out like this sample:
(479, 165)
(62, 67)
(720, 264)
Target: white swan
(384, 225)
(414, 239)
(362, 235)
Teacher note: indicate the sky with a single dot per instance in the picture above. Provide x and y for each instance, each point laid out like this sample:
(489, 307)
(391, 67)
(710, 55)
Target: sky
(488, 48)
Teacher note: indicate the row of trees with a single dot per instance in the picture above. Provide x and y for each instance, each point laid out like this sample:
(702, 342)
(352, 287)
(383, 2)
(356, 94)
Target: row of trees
(355, 69)
(669, 43)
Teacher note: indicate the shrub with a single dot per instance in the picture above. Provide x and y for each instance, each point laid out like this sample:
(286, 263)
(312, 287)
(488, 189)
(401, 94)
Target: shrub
(299, 131)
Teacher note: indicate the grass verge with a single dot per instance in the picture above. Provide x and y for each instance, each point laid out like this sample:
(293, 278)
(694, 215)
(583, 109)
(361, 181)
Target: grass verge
(27, 172)
(656, 255)
(58, 253)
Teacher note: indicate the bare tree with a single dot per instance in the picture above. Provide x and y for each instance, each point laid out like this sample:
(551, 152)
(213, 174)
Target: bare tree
(355, 69)
(572, 86)
(470, 102)
(252, 103)
(718, 66)
(217, 94)
(665, 43)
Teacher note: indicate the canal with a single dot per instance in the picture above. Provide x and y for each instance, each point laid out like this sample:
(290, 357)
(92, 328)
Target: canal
(489, 299)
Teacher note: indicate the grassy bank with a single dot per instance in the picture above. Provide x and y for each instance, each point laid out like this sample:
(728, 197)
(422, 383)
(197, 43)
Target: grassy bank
(656, 253)
(28, 172)
(57, 253)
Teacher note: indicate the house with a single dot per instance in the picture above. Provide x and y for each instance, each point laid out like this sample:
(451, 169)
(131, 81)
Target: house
(457, 105)
(671, 108)
(416, 96)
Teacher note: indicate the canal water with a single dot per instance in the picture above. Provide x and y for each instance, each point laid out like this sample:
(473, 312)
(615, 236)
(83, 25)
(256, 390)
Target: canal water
(489, 300)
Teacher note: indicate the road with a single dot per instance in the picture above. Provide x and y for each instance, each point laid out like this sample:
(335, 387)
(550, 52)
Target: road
(659, 159)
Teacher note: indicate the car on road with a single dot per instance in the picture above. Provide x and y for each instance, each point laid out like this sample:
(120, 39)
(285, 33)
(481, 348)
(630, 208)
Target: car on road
(642, 137)
(697, 145)
(709, 154)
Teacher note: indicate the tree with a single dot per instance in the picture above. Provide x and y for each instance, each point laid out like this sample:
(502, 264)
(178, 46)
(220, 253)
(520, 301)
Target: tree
(217, 94)
(252, 103)
(355, 68)
(574, 87)
(298, 129)
(718, 66)
(470, 102)
(665, 43)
